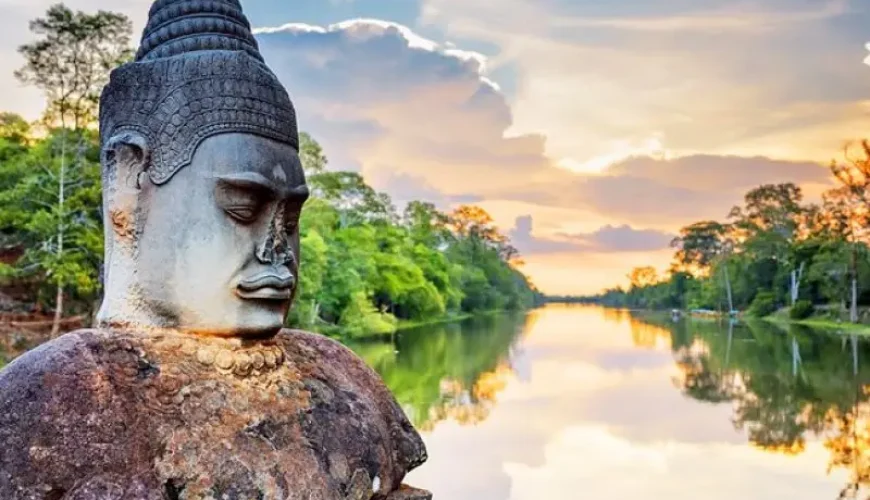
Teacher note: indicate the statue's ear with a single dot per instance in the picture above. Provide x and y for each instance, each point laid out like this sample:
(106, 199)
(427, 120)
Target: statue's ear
(125, 164)
(125, 157)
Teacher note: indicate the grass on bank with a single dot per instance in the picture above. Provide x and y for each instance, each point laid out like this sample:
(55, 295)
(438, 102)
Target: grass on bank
(818, 319)
(386, 332)
(450, 318)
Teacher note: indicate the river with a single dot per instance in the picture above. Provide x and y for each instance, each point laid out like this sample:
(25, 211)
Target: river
(573, 402)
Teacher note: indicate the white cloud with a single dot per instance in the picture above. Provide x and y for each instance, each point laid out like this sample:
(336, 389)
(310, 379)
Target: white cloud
(735, 17)
(366, 28)
(593, 81)
(605, 239)
(439, 119)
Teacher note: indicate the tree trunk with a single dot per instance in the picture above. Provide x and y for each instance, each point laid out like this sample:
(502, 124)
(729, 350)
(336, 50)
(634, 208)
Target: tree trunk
(728, 291)
(796, 277)
(61, 199)
(58, 312)
(315, 312)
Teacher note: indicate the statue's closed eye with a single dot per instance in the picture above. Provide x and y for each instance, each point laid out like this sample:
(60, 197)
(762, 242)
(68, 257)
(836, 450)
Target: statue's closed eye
(242, 213)
(242, 202)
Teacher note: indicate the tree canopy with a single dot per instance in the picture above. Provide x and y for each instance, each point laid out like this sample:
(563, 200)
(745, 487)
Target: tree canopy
(774, 248)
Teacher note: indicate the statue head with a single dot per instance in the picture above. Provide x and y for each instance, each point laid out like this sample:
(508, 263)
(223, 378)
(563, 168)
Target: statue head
(202, 183)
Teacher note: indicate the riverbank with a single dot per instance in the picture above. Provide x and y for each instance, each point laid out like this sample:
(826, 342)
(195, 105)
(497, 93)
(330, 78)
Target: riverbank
(779, 318)
(822, 323)
(453, 318)
(405, 325)
(410, 325)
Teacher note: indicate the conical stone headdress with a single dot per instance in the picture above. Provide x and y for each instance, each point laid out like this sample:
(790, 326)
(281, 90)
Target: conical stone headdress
(198, 73)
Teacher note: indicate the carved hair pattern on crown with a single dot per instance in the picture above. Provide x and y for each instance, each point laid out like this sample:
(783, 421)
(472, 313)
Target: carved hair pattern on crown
(198, 73)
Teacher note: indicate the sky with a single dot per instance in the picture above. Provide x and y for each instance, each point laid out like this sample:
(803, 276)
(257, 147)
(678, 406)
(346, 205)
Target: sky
(592, 131)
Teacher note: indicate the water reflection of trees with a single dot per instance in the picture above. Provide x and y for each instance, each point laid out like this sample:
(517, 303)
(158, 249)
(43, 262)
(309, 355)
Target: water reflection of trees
(448, 372)
(786, 385)
(648, 336)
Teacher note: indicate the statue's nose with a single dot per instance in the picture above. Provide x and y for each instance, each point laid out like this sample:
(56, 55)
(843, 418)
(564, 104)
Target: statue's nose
(275, 247)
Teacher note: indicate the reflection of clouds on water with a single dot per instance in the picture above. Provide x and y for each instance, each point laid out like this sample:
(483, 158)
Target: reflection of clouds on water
(645, 409)
(521, 363)
(599, 417)
(632, 360)
(591, 462)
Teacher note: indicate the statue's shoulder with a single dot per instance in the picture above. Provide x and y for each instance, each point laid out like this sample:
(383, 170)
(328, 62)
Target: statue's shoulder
(329, 367)
(328, 353)
(74, 354)
(327, 359)
(63, 416)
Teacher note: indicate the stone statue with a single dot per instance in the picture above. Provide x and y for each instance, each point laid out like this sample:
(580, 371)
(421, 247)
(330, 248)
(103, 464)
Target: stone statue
(188, 388)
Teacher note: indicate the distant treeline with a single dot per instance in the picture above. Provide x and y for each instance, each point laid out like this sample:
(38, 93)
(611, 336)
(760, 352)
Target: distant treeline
(570, 299)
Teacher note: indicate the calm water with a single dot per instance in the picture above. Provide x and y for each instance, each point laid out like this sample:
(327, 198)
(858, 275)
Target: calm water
(575, 402)
(587, 403)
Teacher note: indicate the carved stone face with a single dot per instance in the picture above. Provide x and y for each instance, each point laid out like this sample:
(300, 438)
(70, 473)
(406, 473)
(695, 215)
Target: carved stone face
(218, 251)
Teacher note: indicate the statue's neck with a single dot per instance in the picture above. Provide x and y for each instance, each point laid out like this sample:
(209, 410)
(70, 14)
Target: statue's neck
(123, 303)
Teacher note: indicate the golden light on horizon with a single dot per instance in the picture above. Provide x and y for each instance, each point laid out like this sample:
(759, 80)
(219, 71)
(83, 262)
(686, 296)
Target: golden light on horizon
(618, 151)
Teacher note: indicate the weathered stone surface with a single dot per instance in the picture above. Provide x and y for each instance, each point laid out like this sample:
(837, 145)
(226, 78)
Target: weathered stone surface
(110, 415)
(408, 493)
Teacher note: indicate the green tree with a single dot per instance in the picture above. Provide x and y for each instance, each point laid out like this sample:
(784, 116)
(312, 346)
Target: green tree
(62, 242)
(427, 225)
(769, 224)
(848, 212)
(699, 245)
(71, 59)
(14, 131)
(314, 251)
(70, 62)
(356, 201)
(643, 277)
(311, 155)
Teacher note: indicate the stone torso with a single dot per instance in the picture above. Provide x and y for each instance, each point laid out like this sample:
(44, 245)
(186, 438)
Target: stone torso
(109, 415)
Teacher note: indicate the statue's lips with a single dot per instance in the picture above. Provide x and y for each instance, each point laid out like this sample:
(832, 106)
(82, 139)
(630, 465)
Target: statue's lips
(267, 286)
